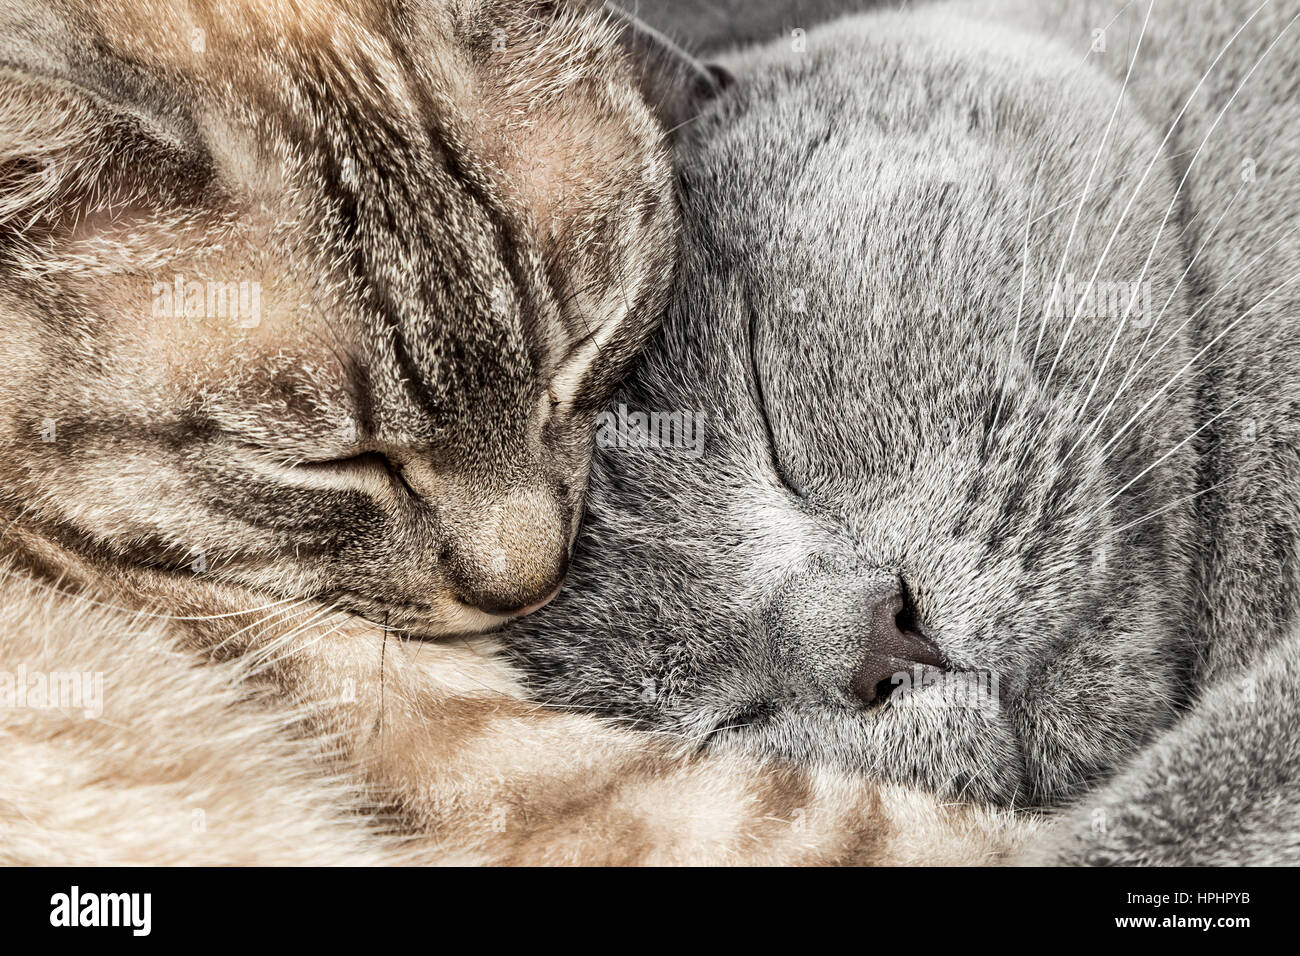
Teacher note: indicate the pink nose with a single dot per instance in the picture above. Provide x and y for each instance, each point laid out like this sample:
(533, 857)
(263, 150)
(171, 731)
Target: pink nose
(525, 611)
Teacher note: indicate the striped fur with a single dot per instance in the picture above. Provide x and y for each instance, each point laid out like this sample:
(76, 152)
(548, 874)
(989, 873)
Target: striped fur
(234, 731)
(1093, 509)
(430, 213)
(458, 223)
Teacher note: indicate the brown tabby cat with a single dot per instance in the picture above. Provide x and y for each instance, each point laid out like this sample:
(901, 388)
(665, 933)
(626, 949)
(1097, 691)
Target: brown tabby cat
(323, 297)
(308, 309)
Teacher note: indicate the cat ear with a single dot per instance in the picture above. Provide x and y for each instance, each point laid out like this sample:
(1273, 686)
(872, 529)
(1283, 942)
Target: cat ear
(675, 84)
(72, 135)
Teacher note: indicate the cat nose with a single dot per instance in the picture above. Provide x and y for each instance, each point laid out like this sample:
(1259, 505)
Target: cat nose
(507, 557)
(514, 597)
(535, 606)
(511, 605)
(891, 647)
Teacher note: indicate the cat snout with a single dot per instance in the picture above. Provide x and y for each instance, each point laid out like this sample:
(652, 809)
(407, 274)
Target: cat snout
(510, 600)
(847, 634)
(512, 558)
(892, 647)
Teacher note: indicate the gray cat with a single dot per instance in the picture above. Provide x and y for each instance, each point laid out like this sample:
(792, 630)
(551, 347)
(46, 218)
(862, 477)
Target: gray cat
(989, 320)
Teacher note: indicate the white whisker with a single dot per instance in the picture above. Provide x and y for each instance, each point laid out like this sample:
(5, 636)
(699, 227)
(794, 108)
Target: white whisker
(1065, 255)
(1182, 278)
(1119, 327)
(1172, 451)
(301, 648)
(1193, 360)
(280, 614)
(1186, 175)
(1124, 385)
(1157, 512)
(1112, 181)
(314, 616)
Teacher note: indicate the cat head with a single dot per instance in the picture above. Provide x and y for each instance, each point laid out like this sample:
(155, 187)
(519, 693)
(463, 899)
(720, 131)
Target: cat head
(878, 495)
(323, 298)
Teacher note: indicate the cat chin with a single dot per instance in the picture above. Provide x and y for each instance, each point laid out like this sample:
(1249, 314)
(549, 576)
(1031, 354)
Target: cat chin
(960, 752)
(442, 619)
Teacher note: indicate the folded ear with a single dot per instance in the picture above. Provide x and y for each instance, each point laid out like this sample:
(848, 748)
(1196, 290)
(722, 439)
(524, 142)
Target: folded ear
(78, 130)
(675, 84)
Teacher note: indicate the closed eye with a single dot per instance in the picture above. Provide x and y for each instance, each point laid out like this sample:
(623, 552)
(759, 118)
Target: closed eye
(373, 461)
(760, 402)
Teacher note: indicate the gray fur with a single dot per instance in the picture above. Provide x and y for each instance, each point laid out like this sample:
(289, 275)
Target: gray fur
(712, 26)
(1220, 789)
(857, 212)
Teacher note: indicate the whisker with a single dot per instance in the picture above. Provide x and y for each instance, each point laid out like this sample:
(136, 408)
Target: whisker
(1165, 457)
(1122, 10)
(1112, 181)
(1124, 385)
(383, 654)
(280, 614)
(141, 612)
(1157, 512)
(1178, 285)
(1078, 213)
(256, 659)
(306, 647)
(1181, 184)
(1192, 361)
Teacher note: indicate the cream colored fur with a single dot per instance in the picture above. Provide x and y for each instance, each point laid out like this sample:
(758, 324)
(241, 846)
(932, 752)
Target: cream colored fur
(248, 728)
(268, 737)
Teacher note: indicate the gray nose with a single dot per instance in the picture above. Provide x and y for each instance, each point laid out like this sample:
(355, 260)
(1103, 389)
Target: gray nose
(846, 635)
(890, 648)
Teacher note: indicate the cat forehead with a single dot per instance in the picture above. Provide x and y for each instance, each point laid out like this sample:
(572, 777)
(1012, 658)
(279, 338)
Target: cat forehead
(480, 186)
(361, 218)
(535, 96)
(244, 321)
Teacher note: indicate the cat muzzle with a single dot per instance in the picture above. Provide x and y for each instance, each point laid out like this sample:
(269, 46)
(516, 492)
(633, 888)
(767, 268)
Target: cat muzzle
(536, 605)
(893, 648)
(516, 598)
